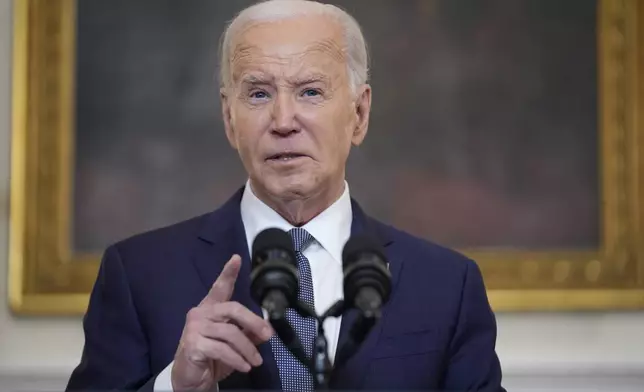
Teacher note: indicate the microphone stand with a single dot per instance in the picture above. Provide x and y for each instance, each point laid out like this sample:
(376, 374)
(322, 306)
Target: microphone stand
(320, 365)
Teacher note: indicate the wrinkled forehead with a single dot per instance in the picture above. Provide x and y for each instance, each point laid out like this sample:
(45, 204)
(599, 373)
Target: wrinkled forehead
(290, 47)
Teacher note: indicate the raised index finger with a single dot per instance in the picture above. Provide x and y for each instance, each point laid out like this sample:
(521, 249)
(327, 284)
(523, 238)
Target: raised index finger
(223, 287)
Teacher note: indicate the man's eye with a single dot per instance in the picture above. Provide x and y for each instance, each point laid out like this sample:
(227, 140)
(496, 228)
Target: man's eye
(258, 95)
(310, 93)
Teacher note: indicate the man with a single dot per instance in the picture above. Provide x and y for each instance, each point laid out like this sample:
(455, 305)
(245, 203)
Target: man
(171, 309)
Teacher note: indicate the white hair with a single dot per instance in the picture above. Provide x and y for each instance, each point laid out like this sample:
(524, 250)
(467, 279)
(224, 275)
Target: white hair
(355, 47)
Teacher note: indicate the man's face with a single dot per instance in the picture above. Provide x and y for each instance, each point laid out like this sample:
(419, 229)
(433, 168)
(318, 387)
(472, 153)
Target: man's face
(291, 113)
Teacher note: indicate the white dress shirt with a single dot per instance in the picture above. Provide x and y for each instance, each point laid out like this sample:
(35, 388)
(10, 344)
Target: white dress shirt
(330, 229)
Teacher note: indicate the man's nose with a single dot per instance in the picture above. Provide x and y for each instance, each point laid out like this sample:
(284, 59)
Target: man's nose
(284, 111)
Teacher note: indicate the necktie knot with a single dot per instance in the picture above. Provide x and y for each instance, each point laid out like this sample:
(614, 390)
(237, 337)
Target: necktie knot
(301, 239)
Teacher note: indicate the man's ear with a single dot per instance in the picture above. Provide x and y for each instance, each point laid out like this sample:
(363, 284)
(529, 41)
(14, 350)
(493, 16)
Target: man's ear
(362, 110)
(226, 115)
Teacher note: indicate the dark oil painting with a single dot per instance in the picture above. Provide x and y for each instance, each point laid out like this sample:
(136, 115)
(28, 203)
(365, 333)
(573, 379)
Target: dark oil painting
(483, 130)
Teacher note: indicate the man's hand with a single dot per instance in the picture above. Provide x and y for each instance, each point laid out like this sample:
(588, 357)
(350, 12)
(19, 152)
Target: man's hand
(219, 337)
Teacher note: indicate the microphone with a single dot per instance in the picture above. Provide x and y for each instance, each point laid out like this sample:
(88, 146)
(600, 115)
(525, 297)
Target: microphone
(274, 284)
(367, 280)
(274, 275)
(367, 285)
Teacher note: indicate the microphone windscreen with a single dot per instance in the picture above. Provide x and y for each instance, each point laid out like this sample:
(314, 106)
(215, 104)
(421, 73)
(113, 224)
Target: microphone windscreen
(273, 239)
(361, 244)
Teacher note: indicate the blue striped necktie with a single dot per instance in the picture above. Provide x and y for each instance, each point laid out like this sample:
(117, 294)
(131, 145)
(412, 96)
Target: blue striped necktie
(294, 375)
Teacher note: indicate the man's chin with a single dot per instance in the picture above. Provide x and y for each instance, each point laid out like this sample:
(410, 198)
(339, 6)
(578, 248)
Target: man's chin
(297, 186)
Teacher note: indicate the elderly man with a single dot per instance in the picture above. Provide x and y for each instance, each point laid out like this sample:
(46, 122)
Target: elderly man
(171, 309)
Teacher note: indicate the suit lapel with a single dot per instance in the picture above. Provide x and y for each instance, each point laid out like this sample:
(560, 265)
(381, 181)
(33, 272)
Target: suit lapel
(351, 375)
(223, 235)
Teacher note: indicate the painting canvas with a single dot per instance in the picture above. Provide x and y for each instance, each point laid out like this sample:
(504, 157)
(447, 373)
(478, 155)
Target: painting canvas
(483, 132)
(502, 128)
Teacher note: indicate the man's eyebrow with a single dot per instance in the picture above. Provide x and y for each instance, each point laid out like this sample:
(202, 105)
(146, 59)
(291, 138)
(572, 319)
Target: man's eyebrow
(310, 78)
(256, 79)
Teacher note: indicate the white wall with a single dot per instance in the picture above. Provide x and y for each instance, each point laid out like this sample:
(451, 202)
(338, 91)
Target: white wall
(539, 352)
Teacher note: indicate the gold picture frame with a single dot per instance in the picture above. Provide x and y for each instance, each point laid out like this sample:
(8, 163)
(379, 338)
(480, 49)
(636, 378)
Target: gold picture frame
(45, 278)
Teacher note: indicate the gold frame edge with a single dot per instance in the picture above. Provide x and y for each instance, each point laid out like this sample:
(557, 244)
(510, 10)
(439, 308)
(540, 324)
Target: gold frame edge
(19, 124)
(24, 300)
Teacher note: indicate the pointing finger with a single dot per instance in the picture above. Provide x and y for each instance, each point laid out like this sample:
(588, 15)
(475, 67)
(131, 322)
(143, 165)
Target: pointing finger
(223, 287)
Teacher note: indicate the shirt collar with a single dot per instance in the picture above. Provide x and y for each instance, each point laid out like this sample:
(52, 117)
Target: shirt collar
(331, 229)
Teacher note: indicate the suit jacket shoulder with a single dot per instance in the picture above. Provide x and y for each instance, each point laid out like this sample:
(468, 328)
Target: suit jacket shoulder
(432, 277)
(438, 308)
(161, 241)
(425, 255)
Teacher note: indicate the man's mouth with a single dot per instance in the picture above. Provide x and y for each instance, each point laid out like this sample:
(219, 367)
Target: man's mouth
(286, 156)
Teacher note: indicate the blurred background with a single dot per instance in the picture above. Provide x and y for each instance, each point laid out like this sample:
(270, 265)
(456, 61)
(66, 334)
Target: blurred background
(483, 125)
(483, 129)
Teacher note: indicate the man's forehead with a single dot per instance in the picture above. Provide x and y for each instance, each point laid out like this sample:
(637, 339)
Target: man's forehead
(317, 61)
(291, 38)
(321, 54)
(289, 50)
(290, 47)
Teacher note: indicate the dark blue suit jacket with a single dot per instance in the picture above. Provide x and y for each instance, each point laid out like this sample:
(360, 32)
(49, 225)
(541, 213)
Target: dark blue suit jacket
(437, 331)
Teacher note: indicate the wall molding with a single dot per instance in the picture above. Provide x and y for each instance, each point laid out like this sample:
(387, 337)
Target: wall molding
(562, 379)
(32, 381)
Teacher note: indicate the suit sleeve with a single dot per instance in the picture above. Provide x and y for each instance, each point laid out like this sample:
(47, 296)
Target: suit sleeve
(473, 364)
(115, 354)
